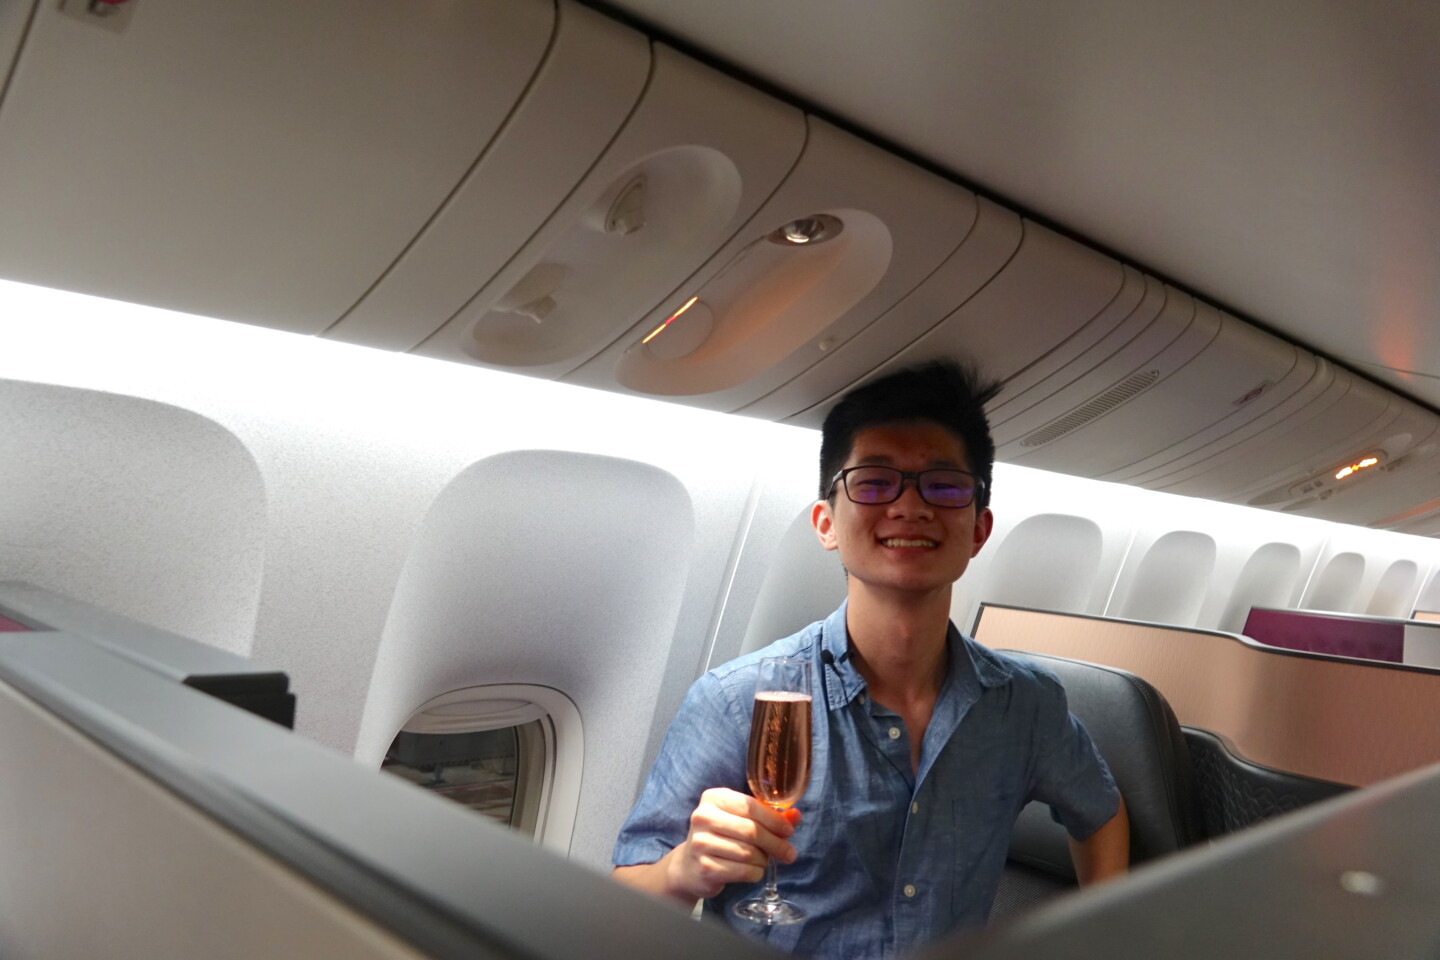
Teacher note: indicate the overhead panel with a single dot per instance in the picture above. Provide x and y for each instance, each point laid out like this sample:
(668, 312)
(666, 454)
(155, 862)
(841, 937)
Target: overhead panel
(1087, 377)
(1392, 469)
(1047, 292)
(1404, 497)
(1277, 466)
(591, 79)
(1196, 389)
(850, 232)
(1135, 307)
(261, 161)
(987, 247)
(13, 17)
(697, 157)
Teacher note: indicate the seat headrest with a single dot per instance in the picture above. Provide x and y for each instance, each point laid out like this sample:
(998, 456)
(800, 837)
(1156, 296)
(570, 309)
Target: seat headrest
(1137, 734)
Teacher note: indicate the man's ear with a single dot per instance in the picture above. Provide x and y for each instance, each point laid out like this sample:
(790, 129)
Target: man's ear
(824, 524)
(984, 525)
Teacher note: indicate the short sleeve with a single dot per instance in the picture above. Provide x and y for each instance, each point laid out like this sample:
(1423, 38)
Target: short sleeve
(704, 748)
(1069, 773)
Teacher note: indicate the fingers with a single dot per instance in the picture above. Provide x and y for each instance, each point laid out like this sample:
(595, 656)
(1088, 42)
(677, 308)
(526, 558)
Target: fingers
(739, 817)
(732, 835)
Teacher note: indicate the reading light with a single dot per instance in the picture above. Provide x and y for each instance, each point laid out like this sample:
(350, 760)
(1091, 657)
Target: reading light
(1353, 468)
(668, 320)
(808, 231)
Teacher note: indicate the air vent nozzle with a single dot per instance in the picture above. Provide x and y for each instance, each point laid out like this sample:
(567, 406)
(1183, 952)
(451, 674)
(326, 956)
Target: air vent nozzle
(1128, 388)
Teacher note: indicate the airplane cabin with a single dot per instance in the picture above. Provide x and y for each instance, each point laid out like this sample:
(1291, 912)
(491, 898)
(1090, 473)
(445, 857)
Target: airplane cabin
(402, 404)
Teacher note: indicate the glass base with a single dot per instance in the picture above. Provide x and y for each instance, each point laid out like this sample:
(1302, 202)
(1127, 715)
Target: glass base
(769, 912)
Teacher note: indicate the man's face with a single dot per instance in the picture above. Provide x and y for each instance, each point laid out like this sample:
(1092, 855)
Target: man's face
(906, 545)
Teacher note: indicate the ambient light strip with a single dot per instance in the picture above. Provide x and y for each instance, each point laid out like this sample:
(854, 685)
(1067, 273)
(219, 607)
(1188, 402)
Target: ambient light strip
(1346, 721)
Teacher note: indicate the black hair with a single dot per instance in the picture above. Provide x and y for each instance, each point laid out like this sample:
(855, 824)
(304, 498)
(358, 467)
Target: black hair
(942, 392)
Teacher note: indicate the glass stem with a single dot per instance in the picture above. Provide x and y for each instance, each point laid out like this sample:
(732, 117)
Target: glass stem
(772, 895)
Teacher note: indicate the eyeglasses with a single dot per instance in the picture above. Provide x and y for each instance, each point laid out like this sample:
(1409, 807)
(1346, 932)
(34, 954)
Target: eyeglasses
(939, 488)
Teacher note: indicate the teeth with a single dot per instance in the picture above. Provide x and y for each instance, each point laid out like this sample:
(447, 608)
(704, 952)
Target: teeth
(897, 542)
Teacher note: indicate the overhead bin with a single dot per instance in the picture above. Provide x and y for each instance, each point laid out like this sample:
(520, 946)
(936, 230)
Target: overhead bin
(696, 159)
(261, 161)
(850, 232)
(592, 77)
(991, 242)
(1400, 485)
(12, 29)
(1069, 391)
(1405, 497)
(1048, 291)
(1291, 463)
(1193, 382)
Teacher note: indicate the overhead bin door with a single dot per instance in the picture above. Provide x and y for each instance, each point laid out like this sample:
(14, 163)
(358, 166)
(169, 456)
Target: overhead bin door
(695, 160)
(260, 161)
(1291, 464)
(12, 29)
(1198, 383)
(991, 242)
(850, 232)
(1393, 470)
(594, 73)
(1049, 290)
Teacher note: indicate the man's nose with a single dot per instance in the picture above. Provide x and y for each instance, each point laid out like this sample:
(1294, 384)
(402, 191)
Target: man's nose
(910, 503)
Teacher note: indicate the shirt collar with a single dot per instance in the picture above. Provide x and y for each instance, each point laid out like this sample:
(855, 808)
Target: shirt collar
(843, 683)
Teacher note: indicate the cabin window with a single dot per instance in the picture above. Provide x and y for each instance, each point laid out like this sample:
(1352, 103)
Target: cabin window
(497, 773)
(508, 752)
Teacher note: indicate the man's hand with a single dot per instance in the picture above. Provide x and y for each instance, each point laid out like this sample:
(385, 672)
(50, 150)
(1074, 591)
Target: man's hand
(731, 837)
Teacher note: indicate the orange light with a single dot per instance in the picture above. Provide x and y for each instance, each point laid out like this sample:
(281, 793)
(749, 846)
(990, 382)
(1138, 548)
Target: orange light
(1354, 467)
(668, 320)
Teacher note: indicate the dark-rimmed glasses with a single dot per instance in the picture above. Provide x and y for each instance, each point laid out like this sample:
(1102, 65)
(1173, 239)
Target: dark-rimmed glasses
(939, 488)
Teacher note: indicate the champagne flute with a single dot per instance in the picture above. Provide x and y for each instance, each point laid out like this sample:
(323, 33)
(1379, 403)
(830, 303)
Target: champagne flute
(778, 766)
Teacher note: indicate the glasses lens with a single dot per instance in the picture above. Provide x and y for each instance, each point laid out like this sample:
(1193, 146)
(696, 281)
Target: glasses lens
(872, 484)
(947, 488)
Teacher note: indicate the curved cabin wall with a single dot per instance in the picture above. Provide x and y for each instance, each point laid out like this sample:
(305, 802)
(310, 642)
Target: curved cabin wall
(546, 568)
(149, 509)
(354, 449)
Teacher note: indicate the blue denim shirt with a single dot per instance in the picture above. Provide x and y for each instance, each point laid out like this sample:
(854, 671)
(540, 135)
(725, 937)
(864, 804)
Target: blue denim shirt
(888, 859)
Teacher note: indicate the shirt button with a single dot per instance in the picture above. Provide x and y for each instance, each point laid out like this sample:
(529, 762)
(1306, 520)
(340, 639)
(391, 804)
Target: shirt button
(894, 733)
(862, 698)
(909, 890)
(915, 807)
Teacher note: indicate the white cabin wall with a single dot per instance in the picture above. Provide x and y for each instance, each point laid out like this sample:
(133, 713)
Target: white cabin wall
(1429, 598)
(148, 509)
(354, 449)
(354, 446)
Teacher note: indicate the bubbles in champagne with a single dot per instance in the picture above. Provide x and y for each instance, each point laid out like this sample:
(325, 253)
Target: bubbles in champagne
(778, 766)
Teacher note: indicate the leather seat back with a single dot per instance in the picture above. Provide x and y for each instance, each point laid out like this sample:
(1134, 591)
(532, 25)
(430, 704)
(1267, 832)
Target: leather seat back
(1137, 734)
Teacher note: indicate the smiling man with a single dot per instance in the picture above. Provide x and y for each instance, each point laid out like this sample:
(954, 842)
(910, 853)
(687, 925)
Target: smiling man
(926, 744)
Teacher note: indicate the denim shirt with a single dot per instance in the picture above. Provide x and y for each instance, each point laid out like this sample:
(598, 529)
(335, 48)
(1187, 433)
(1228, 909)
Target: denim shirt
(888, 859)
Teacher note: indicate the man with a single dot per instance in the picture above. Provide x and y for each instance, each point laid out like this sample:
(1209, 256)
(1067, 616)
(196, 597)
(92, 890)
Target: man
(926, 745)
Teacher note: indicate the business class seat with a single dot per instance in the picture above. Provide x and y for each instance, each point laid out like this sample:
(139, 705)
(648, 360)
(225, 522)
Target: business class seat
(1137, 734)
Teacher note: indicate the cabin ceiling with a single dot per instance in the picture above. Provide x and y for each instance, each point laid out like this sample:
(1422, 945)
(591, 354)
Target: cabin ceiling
(1282, 160)
(533, 186)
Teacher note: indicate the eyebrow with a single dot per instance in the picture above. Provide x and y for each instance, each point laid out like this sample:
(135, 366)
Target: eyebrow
(884, 460)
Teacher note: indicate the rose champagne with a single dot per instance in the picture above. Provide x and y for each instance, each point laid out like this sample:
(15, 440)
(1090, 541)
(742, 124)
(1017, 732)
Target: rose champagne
(779, 761)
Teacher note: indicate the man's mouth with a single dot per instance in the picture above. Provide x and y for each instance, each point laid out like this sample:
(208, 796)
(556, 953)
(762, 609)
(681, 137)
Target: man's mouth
(903, 542)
